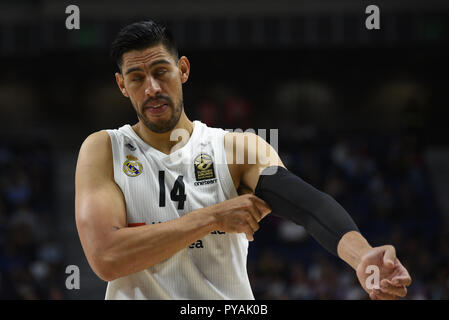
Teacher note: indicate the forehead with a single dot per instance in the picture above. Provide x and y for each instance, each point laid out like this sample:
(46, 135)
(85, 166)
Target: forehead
(145, 56)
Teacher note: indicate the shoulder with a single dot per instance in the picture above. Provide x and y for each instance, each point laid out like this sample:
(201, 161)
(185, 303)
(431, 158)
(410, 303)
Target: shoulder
(243, 142)
(96, 143)
(99, 138)
(95, 152)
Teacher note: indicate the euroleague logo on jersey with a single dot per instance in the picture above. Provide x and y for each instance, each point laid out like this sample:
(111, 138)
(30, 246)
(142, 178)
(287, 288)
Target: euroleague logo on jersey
(132, 167)
(204, 169)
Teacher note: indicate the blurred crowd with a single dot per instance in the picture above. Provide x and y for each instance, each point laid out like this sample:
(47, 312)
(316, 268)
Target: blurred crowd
(30, 253)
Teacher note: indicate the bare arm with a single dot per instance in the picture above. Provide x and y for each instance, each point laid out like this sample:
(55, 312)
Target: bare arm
(257, 155)
(352, 247)
(114, 250)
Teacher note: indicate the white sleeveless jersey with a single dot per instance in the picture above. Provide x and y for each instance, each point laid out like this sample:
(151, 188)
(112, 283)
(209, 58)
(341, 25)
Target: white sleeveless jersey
(158, 188)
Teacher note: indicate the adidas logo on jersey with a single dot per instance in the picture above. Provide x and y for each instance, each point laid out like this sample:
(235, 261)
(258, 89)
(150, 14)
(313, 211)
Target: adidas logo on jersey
(130, 147)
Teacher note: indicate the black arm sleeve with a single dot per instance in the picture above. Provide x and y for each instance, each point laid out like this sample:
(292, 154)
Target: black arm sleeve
(292, 198)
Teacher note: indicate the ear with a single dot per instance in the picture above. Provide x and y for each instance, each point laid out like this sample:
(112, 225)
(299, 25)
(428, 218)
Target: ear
(121, 83)
(184, 68)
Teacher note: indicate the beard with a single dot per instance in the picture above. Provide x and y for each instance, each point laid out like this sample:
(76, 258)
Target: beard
(163, 126)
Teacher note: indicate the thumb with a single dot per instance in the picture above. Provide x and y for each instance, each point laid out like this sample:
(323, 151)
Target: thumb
(389, 256)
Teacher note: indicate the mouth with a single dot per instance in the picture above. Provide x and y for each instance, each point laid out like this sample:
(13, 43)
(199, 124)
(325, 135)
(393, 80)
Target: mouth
(158, 109)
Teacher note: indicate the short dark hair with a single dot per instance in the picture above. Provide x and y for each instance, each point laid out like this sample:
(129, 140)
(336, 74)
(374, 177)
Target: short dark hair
(142, 35)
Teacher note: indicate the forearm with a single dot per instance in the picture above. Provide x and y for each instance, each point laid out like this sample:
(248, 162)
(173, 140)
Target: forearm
(132, 249)
(351, 248)
(294, 199)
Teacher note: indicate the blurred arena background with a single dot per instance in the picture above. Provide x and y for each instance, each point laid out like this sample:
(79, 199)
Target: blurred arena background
(362, 115)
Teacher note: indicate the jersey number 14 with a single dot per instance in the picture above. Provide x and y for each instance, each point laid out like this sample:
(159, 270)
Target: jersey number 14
(177, 193)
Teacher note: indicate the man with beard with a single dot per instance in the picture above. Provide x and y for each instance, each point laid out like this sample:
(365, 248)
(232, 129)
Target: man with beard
(165, 208)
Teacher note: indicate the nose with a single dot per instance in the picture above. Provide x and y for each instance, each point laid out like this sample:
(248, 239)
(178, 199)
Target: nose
(152, 87)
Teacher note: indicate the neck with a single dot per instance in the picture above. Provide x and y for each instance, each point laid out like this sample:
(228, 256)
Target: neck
(162, 141)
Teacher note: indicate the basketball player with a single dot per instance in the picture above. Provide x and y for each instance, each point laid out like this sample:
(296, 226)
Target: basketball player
(165, 209)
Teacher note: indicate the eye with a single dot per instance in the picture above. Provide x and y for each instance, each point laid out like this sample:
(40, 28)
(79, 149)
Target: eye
(161, 72)
(136, 78)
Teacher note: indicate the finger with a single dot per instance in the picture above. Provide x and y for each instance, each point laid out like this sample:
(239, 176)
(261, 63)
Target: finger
(265, 209)
(249, 233)
(389, 256)
(262, 207)
(383, 296)
(244, 227)
(254, 216)
(402, 281)
(401, 277)
(253, 209)
(252, 223)
(385, 283)
(393, 290)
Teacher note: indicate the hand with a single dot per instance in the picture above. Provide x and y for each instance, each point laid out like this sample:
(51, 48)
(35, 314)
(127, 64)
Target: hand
(393, 277)
(240, 214)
